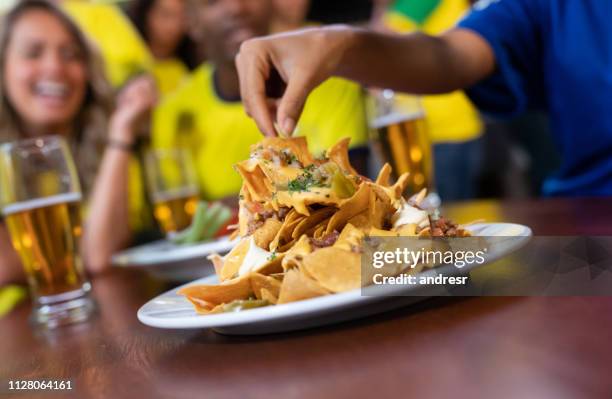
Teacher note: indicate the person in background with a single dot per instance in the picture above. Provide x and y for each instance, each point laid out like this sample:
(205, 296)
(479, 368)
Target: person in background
(510, 55)
(125, 55)
(52, 82)
(124, 52)
(163, 26)
(453, 123)
(289, 15)
(206, 115)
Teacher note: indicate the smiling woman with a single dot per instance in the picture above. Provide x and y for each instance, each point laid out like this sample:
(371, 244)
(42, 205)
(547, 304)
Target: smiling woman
(52, 82)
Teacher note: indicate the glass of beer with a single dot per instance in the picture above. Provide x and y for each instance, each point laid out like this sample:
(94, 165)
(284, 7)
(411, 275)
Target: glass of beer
(172, 184)
(401, 138)
(40, 199)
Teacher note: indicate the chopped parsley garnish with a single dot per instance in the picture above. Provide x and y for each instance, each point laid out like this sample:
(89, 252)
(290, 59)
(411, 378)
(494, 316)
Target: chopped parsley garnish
(304, 181)
(272, 256)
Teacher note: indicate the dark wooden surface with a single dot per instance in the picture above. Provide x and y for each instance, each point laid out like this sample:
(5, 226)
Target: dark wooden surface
(513, 347)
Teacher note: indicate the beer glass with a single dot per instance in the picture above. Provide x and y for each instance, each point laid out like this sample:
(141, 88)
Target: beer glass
(397, 122)
(172, 184)
(40, 199)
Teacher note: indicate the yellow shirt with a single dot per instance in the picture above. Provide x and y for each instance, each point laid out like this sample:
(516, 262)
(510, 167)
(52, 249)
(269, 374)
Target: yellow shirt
(220, 133)
(124, 52)
(450, 117)
(10, 296)
(169, 75)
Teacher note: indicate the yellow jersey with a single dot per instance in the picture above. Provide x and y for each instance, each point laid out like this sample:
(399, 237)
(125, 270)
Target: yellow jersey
(124, 52)
(220, 134)
(169, 74)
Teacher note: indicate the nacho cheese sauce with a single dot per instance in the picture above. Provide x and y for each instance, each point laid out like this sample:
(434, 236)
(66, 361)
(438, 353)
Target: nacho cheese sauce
(254, 258)
(410, 215)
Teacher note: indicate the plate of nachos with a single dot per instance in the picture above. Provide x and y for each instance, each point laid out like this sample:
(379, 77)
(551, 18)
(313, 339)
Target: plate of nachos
(302, 225)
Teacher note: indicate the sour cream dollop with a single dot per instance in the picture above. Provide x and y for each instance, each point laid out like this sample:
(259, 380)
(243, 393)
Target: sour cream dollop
(254, 258)
(408, 214)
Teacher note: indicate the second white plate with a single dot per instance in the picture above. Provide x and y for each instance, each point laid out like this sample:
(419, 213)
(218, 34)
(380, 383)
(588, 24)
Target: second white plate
(169, 261)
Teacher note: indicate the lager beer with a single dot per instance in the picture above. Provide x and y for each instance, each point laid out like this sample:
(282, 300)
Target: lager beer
(40, 199)
(173, 187)
(405, 145)
(46, 232)
(174, 210)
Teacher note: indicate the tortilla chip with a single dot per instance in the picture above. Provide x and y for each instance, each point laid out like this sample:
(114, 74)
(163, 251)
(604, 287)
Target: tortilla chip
(339, 154)
(314, 219)
(233, 260)
(259, 282)
(361, 221)
(286, 247)
(319, 230)
(351, 207)
(255, 181)
(238, 288)
(264, 235)
(295, 256)
(418, 198)
(269, 296)
(400, 185)
(297, 286)
(384, 175)
(335, 269)
(350, 238)
(379, 208)
(243, 215)
(426, 232)
(273, 266)
(217, 261)
(285, 232)
(297, 145)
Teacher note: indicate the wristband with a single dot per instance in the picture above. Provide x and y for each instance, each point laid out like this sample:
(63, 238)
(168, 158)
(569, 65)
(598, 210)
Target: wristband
(120, 145)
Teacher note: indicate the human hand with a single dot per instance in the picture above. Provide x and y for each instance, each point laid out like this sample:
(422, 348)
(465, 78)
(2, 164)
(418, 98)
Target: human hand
(301, 59)
(134, 102)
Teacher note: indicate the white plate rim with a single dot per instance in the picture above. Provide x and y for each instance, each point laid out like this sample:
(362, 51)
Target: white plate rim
(130, 258)
(294, 309)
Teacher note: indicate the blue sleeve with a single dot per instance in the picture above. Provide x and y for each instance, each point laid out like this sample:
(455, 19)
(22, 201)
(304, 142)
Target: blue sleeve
(513, 28)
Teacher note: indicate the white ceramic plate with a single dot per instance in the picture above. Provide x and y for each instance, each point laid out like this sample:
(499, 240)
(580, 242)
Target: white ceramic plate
(171, 310)
(174, 262)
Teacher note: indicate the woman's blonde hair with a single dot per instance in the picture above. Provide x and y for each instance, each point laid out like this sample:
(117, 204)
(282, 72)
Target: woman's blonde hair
(88, 137)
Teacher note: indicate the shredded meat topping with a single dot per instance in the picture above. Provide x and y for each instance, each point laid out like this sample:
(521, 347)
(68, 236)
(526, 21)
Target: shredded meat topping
(325, 241)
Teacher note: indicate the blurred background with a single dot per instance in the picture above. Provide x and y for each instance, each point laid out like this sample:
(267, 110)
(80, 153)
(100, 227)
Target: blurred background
(157, 77)
(153, 35)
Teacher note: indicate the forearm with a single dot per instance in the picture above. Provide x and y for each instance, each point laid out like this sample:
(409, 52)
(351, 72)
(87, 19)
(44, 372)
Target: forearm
(107, 227)
(416, 63)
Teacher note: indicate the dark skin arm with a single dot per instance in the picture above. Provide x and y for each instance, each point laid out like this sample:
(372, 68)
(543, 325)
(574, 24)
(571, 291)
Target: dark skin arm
(416, 63)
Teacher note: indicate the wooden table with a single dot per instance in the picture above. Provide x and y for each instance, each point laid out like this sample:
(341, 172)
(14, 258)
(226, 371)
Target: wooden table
(511, 347)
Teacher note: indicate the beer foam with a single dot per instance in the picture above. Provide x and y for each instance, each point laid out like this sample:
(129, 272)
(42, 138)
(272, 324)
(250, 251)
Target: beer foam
(41, 203)
(394, 118)
(175, 194)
